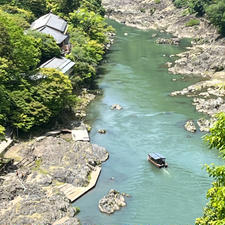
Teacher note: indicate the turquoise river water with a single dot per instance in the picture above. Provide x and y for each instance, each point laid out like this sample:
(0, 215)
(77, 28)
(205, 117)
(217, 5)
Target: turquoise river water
(135, 77)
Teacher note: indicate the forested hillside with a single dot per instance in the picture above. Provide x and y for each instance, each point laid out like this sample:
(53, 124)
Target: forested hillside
(213, 9)
(25, 102)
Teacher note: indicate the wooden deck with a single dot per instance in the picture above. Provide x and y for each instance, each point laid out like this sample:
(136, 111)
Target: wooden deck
(61, 221)
(4, 145)
(80, 134)
(73, 193)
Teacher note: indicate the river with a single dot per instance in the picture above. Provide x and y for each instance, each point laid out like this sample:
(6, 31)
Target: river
(135, 77)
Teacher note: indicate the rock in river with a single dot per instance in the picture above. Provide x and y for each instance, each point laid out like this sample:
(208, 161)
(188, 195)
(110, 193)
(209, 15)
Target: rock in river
(112, 202)
(205, 125)
(190, 126)
(171, 41)
(101, 131)
(116, 106)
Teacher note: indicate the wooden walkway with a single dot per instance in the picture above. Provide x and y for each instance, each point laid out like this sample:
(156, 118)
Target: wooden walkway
(26, 162)
(73, 193)
(61, 221)
(4, 145)
(80, 134)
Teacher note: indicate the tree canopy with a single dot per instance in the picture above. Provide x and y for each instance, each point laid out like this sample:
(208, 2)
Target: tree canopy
(46, 45)
(216, 137)
(214, 212)
(213, 9)
(27, 102)
(35, 103)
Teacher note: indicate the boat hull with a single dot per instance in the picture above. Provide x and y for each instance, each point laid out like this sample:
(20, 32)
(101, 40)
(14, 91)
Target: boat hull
(157, 164)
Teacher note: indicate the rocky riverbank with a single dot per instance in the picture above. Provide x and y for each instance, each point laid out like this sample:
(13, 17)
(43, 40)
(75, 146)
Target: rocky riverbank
(30, 193)
(32, 190)
(205, 58)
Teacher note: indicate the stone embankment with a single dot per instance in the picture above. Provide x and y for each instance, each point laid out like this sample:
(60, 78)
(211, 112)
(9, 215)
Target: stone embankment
(31, 192)
(204, 58)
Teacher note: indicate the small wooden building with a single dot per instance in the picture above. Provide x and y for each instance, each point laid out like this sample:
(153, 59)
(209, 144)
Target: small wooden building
(63, 64)
(55, 26)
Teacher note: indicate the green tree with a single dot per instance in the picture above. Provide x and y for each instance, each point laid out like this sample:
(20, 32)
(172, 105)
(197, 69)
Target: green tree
(180, 3)
(198, 6)
(87, 54)
(34, 104)
(26, 112)
(93, 5)
(214, 9)
(84, 49)
(83, 76)
(216, 137)
(3, 2)
(5, 105)
(46, 45)
(25, 102)
(37, 7)
(20, 48)
(5, 44)
(2, 133)
(214, 213)
(16, 11)
(216, 14)
(92, 24)
(63, 6)
(55, 90)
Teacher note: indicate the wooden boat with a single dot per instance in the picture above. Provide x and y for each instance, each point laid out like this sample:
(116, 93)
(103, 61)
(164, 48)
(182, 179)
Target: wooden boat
(157, 159)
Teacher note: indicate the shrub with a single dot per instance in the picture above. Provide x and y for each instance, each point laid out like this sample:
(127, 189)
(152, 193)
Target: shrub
(157, 1)
(180, 3)
(216, 15)
(192, 22)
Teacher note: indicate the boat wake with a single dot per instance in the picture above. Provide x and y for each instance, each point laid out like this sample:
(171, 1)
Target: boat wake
(157, 114)
(165, 171)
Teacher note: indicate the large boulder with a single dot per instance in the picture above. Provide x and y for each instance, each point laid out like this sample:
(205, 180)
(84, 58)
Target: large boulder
(205, 125)
(116, 107)
(190, 126)
(209, 106)
(102, 131)
(170, 41)
(112, 202)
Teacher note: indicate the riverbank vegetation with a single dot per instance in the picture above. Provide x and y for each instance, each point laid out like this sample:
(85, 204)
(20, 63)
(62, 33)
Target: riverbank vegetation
(214, 212)
(212, 9)
(26, 102)
(216, 137)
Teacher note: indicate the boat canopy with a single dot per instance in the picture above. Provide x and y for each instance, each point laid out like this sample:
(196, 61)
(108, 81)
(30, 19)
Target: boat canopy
(156, 156)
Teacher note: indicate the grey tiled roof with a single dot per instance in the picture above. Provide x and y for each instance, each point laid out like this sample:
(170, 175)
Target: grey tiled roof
(62, 64)
(58, 36)
(50, 20)
(52, 25)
